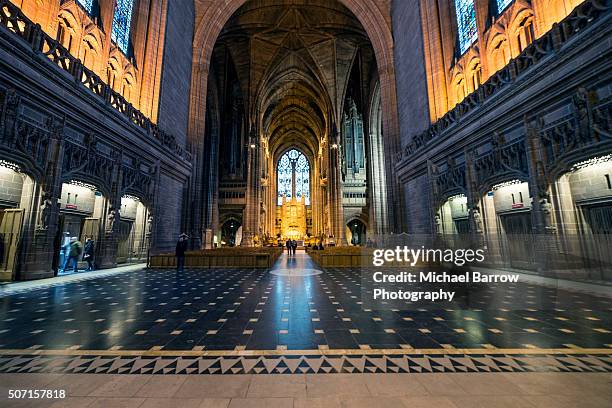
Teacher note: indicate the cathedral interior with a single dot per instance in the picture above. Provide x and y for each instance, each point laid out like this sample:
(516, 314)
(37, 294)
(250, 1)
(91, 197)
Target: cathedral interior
(190, 188)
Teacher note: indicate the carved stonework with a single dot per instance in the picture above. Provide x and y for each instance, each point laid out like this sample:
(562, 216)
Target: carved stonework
(45, 212)
(546, 210)
(112, 219)
(477, 220)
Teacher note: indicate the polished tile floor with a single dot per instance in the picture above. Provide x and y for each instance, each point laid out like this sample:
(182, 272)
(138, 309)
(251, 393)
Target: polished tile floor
(235, 310)
(132, 337)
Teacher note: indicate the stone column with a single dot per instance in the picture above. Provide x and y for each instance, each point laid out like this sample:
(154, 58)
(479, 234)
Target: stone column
(474, 202)
(109, 245)
(335, 192)
(541, 207)
(253, 193)
(40, 224)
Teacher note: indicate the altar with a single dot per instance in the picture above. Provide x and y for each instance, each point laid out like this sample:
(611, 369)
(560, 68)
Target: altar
(293, 219)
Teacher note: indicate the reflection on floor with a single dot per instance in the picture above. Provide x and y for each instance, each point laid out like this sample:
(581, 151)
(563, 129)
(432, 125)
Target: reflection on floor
(105, 337)
(233, 310)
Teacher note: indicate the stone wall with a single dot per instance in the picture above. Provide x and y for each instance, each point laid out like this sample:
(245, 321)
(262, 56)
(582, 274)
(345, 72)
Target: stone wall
(169, 210)
(11, 184)
(176, 76)
(416, 206)
(409, 69)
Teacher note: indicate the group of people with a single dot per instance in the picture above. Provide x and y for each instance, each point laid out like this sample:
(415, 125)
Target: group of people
(291, 245)
(73, 251)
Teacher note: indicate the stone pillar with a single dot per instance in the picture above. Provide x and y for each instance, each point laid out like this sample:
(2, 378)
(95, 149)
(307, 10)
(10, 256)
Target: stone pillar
(541, 206)
(39, 231)
(474, 201)
(109, 245)
(253, 192)
(335, 193)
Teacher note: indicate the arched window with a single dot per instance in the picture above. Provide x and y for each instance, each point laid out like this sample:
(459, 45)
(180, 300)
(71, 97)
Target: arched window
(87, 5)
(122, 20)
(293, 177)
(466, 23)
(502, 5)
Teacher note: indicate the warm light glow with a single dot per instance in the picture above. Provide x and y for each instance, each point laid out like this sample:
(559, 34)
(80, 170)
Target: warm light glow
(9, 165)
(84, 185)
(591, 162)
(506, 184)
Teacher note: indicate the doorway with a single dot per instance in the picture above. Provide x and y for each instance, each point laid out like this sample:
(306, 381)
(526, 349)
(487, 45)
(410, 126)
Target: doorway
(519, 238)
(357, 231)
(229, 232)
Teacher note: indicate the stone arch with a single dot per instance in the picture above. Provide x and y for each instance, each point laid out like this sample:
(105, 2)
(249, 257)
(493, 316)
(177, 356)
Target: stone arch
(368, 14)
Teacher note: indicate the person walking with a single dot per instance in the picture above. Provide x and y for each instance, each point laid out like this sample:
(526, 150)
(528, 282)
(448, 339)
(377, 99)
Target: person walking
(288, 245)
(88, 254)
(294, 246)
(181, 247)
(75, 249)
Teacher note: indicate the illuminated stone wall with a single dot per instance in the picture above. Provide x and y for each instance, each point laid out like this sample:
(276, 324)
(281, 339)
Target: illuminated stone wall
(136, 74)
(452, 75)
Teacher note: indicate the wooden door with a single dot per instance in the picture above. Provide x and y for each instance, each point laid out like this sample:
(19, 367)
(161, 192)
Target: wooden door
(91, 229)
(520, 239)
(10, 233)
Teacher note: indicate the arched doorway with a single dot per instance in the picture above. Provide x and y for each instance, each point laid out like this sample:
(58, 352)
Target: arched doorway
(273, 82)
(15, 203)
(356, 233)
(230, 233)
(81, 211)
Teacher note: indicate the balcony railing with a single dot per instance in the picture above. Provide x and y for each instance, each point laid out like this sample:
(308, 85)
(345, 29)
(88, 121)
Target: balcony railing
(577, 21)
(14, 21)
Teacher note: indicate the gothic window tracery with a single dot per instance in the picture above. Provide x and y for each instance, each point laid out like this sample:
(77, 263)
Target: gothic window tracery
(500, 53)
(525, 33)
(122, 20)
(87, 5)
(466, 24)
(65, 33)
(293, 177)
(476, 75)
(502, 5)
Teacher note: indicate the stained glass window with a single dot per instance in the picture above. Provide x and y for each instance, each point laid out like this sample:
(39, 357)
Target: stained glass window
(502, 4)
(293, 176)
(122, 21)
(285, 175)
(466, 23)
(87, 5)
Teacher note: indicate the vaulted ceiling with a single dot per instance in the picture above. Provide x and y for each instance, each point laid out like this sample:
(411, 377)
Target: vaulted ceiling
(293, 60)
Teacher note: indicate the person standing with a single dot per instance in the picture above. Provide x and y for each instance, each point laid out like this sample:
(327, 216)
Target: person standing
(88, 254)
(75, 249)
(181, 247)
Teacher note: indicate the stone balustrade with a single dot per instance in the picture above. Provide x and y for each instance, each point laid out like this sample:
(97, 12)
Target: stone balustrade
(14, 21)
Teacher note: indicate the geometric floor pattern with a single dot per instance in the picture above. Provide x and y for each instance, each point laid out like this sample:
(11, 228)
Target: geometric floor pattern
(244, 311)
(305, 364)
